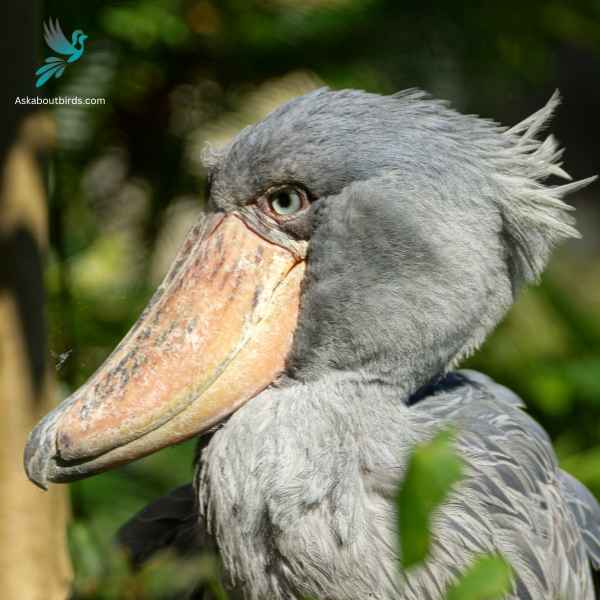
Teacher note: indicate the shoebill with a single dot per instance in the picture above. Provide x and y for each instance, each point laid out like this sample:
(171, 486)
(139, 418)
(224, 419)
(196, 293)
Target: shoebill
(356, 249)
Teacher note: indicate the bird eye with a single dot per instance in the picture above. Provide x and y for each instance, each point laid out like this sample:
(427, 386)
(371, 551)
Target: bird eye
(286, 201)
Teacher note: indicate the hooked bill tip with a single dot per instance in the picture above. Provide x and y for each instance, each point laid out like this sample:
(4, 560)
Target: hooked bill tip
(35, 468)
(40, 451)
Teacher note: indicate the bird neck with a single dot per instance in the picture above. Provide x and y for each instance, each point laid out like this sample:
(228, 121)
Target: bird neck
(294, 455)
(78, 43)
(400, 347)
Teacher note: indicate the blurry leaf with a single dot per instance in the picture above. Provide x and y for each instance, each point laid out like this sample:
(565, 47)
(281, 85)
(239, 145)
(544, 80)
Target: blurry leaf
(489, 578)
(568, 23)
(85, 553)
(103, 267)
(432, 471)
(585, 466)
(101, 572)
(551, 392)
(584, 374)
(147, 22)
(168, 574)
(204, 18)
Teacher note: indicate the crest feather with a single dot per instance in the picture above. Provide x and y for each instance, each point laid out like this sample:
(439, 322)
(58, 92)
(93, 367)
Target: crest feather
(535, 216)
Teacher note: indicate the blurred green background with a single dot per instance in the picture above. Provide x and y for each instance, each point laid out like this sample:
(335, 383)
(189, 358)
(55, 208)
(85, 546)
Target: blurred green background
(125, 181)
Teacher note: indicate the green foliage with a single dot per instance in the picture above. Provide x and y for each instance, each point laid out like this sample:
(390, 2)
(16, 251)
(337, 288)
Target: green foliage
(103, 572)
(147, 23)
(489, 578)
(432, 470)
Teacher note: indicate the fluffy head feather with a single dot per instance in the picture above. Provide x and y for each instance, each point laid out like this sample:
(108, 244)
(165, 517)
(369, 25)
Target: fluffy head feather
(425, 224)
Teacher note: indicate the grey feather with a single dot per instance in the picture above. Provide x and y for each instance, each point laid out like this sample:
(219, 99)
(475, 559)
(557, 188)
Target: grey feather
(587, 513)
(535, 216)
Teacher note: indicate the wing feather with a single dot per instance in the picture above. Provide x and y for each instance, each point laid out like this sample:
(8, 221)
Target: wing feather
(167, 523)
(587, 514)
(519, 497)
(50, 66)
(55, 38)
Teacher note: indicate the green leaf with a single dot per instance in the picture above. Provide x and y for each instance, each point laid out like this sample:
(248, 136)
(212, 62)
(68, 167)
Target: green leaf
(432, 470)
(168, 575)
(489, 578)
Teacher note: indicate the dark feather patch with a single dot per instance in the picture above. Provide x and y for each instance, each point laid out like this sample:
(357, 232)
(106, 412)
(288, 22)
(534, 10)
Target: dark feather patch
(169, 523)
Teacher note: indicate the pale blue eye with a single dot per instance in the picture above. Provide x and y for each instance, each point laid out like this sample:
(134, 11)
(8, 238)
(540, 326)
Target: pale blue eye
(285, 202)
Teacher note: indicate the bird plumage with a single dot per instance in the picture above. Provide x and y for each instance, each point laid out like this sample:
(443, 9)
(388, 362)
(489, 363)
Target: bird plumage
(299, 489)
(432, 221)
(515, 500)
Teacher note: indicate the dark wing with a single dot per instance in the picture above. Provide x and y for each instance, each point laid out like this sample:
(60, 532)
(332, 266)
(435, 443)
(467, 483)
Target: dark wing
(169, 523)
(55, 38)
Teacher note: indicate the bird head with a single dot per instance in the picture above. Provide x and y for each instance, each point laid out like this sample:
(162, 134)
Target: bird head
(78, 37)
(348, 234)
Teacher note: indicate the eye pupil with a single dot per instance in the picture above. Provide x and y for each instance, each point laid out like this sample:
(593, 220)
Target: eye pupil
(284, 200)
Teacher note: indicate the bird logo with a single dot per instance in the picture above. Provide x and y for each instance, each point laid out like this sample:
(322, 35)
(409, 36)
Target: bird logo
(56, 40)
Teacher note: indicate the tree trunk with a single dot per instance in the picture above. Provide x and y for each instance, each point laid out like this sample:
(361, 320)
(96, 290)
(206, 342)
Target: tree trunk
(34, 562)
